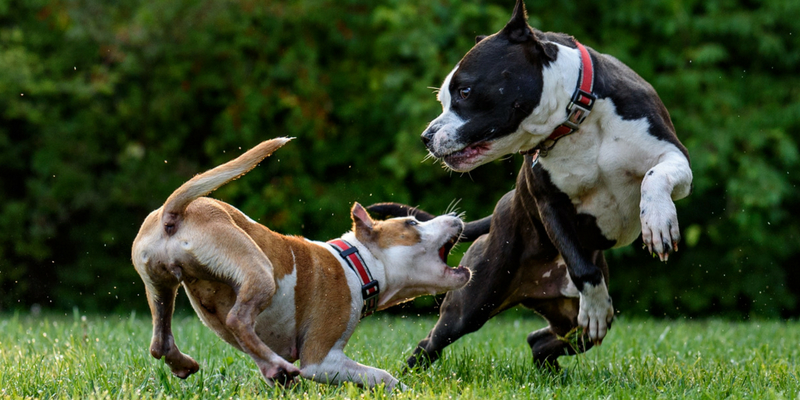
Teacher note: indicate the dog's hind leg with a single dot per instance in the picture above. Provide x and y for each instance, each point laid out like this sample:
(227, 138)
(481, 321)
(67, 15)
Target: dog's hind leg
(250, 301)
(161, 280)
(161, 297)
(561, 337)
(232, 256)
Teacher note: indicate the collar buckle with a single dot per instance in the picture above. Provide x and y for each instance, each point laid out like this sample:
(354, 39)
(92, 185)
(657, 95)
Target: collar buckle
(579, 108)
(370, 298)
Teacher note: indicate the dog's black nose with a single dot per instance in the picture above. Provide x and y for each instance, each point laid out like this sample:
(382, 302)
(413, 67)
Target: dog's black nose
(427, 136)
(425, 139)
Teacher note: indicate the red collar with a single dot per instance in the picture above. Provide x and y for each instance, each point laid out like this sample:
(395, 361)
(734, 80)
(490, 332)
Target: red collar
(578, 108)
(369, 286)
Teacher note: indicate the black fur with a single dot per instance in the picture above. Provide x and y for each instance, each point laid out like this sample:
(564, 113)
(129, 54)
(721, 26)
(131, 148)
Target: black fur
(512, 265)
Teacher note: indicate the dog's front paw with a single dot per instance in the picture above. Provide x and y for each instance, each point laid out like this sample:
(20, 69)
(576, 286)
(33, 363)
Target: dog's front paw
(660, 231)
(595, 312)
(281, 373)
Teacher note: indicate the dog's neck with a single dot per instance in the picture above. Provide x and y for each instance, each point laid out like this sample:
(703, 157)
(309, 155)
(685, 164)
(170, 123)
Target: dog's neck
(392, 290)
(559, 81)
(376, 267)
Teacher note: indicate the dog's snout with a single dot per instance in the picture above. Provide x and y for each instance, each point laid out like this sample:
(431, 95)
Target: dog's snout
(425, 139)
(427, 136)
(458, 225)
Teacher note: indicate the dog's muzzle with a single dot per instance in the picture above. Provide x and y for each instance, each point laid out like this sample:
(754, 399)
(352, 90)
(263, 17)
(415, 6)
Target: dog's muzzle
(427, 136)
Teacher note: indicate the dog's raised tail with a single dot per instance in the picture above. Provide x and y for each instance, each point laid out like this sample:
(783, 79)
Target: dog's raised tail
(210, 180)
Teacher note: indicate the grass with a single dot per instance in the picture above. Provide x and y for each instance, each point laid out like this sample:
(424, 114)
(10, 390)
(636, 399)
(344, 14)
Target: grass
(100, 357)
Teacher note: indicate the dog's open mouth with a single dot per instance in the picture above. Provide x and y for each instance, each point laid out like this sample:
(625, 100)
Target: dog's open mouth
(444, 251)
(465, 155)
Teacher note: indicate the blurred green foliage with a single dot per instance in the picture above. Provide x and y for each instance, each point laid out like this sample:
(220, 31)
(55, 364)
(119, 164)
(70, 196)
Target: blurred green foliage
(107, 107)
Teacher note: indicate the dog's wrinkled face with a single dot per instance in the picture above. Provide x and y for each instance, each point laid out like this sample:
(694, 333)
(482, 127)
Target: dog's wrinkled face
(414, 253)
(490, 92)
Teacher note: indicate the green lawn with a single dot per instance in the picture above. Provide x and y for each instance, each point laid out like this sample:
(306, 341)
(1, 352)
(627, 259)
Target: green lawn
(69, 356)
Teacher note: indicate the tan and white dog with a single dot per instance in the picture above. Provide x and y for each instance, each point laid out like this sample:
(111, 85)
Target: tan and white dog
(282, 298)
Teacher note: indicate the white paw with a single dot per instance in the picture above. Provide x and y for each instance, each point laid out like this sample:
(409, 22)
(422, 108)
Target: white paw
(595, 312)
(659, 219)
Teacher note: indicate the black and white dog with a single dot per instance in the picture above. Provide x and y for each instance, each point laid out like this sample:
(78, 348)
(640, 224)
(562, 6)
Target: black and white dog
(602, 164)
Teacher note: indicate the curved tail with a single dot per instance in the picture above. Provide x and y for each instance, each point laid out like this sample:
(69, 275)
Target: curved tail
(209, 181)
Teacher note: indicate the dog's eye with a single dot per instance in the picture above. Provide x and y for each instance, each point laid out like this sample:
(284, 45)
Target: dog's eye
(464, 92)
(411, 222)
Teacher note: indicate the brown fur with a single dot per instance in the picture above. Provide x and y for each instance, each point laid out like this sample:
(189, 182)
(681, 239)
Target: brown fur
(323, 306)
(396, 233)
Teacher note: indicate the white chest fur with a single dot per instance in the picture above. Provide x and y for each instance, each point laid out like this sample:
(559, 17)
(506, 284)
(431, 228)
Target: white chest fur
(601, 168)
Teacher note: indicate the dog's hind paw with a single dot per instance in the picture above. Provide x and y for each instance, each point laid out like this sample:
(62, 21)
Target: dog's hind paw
(184, 367)
(180, 364)
(282, 374)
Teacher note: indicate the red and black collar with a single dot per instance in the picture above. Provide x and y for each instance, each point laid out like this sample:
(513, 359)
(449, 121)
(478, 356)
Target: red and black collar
(369, 286)
(578, 108)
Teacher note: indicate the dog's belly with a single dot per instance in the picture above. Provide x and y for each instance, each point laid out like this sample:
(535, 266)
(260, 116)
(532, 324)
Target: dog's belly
(276, 325)
(541, 281)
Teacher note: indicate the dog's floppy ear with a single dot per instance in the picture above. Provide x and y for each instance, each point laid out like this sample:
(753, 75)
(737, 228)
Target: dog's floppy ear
(517, 29)
(362, 223)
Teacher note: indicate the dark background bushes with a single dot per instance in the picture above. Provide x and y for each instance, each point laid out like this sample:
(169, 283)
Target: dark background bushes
(107, 107)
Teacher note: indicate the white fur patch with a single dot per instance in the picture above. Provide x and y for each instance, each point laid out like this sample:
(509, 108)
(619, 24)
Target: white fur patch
(669, 180)
(568, 289)
(448, 123)
(443, 95)
(558, 81)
